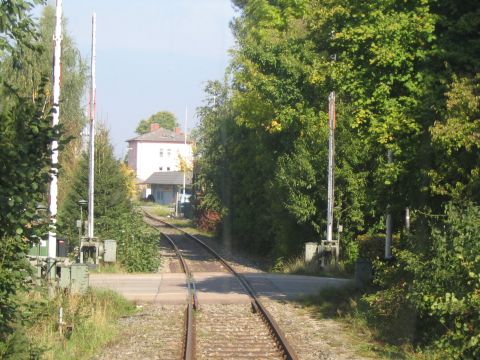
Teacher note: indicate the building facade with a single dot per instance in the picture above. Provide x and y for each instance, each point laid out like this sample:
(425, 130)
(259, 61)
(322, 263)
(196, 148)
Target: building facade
(161, 152)
(167, 186)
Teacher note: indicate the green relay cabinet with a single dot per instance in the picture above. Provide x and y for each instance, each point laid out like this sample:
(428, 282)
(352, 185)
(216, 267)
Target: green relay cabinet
(41, 249)
(74, 277)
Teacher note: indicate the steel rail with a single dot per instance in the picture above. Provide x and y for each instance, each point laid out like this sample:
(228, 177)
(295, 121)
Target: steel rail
(192, 304)
(190, 279)
(282, 343)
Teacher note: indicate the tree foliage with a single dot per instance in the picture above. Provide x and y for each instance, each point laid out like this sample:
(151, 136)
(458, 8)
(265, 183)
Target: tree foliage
(114, 217)
(31, 79)
(137, 243)
(406, 81)
(16, 26)
(25, 137)
(431, 293)
(457, 143)
(446, 289)
(111, 196)
(165, 119)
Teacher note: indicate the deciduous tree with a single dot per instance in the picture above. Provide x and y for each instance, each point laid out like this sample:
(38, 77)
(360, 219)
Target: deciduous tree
(25, 138)
(165, 119)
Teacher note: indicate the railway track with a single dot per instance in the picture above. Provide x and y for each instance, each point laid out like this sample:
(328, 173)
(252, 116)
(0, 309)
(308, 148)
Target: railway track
(192, 304)
(223, 331)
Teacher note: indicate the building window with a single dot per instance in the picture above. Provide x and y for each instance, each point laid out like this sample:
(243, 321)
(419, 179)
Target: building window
(161, 152)
(168, 169)
(169, 152)
(160, 168)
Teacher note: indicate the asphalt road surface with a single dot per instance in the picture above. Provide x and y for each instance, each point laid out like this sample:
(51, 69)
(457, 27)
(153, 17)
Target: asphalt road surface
(212, 287)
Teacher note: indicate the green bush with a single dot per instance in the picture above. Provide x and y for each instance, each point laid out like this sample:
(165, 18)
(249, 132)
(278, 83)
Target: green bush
(446, 287)
(137, 243)
(437, 292)
(371, 247)
(388, 310)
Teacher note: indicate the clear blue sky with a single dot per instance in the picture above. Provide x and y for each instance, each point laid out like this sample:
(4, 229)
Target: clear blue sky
(152, 55)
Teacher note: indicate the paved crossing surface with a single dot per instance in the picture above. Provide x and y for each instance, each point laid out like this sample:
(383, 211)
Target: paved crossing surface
(213, 287)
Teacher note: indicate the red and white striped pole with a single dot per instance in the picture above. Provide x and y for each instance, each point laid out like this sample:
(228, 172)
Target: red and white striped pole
(52, 233)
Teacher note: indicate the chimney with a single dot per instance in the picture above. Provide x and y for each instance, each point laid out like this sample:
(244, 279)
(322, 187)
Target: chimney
(154, 127)
(178, 131)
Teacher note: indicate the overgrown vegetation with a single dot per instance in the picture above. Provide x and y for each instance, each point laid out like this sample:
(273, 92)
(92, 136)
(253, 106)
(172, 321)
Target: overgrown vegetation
(406, 75)
(435, 289)
(88, 324)
(115, 217)
(111, 198)
(427, 298)
(406, 82)
(26, 135)
(161, 210)
(137, 243)
(298, 266)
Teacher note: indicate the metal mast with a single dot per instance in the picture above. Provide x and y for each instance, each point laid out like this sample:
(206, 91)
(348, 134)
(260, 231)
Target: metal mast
(388, 219)
(92, 110)
(331, 163)
(52, 234)
(185, 152)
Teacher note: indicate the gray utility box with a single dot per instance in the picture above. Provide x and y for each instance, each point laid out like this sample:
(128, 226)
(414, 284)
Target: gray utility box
(363, 272)
(65, 277)
(110, 254)
(79, 278)
(74, 277)
(311, 251)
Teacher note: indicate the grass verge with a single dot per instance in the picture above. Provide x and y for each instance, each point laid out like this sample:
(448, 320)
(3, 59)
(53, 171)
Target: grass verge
(89, 323)
(188, 226)
(299, 266)
(159, 210)
(113, 268)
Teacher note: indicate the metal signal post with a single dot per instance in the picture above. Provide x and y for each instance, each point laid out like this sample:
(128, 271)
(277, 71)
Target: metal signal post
(388, 219)
(90, 246)
(185, 154)
(330, 248)
(92, 109)
(331, 160)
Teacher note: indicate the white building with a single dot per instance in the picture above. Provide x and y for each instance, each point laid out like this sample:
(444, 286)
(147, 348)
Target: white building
(157, 157)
